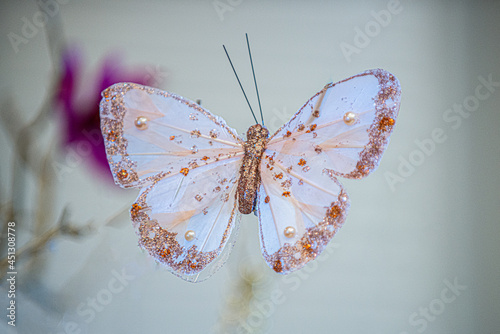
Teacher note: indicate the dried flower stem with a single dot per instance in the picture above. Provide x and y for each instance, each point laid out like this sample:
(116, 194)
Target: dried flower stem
(35, 245)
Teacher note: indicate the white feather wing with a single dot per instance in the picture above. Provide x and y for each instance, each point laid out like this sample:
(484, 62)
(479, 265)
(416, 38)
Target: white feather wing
(186, 160)
(341, 131)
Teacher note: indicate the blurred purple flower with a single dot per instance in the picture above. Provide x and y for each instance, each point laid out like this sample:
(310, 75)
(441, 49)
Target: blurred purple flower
(78, 98)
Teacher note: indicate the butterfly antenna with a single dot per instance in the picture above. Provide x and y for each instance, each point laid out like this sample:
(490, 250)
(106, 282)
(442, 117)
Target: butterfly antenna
(254, 80)
(230, 62)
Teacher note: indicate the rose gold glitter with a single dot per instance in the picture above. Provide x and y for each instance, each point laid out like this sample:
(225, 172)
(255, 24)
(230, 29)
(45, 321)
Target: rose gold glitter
(122, 174)
(266, 200)
(385, 122)
(134, 211)
(195, 133)
(334, 211)
(172, 137)
(112, 136)
(286, 194)
(286, 184)
(249, 181)
(302, 162)
(312, 127)
(184, 171)
(278, 267)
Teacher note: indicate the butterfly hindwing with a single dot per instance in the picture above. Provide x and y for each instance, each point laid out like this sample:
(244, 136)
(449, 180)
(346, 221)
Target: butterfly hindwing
(341, 131)
(300, 209)
(185, 222)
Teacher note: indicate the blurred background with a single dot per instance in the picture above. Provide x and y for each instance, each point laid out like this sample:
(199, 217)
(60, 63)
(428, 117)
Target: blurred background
(419, 252)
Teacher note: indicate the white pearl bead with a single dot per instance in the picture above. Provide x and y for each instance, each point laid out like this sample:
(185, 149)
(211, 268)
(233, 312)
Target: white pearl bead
(349, 118)
(289, 232)
(141, 122)
(190, 235)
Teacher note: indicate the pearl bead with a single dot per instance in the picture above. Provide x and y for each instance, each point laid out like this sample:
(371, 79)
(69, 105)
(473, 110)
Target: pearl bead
(141, 122)
(289, 232)
(343, 197)
(349, 118)
(190, 235)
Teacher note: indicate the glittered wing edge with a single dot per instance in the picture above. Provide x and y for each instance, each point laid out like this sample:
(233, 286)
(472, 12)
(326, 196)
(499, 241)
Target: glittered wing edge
(112, 113)
(379, 131)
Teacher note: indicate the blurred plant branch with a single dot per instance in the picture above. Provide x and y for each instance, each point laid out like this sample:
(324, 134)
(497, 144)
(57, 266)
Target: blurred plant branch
(33, 155)
(63, 228)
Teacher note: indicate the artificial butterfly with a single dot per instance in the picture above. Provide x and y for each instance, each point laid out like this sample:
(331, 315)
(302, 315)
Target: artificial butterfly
(196, 174)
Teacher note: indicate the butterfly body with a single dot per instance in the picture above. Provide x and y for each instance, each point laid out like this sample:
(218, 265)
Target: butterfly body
(196, 174)
(249, 181)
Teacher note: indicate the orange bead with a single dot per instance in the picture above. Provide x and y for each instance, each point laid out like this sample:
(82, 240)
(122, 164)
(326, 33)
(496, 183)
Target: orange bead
(122, 174)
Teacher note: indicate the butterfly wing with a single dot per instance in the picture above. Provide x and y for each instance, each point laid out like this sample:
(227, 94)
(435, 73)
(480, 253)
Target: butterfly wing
(186, 160)
(341, 131)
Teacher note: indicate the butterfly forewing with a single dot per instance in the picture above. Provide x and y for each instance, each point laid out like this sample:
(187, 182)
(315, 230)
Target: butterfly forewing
(187, 162)
(346, 126)
(148, 131)
(342, 130)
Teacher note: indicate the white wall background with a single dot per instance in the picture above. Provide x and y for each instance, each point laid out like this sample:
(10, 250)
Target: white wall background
(400, 245)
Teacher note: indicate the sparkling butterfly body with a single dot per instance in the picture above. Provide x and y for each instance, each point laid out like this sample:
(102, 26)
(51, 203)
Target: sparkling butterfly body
(249, 182)
(196, 174)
